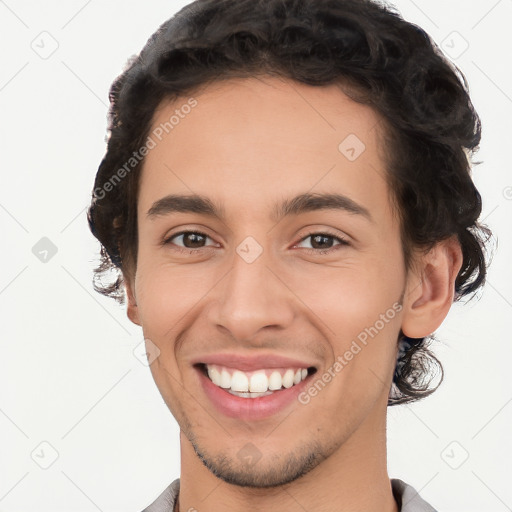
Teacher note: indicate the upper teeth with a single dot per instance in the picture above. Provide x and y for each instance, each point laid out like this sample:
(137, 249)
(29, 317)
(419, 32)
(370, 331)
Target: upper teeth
(258, 381)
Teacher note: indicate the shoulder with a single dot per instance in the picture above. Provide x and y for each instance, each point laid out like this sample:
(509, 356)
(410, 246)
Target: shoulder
(165, 502)
(408, 498)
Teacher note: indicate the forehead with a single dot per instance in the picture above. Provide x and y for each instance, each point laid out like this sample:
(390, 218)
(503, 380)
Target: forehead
(253, 141)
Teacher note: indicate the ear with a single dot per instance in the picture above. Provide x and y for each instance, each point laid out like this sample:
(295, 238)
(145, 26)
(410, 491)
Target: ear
(430, 288)
(132, 310)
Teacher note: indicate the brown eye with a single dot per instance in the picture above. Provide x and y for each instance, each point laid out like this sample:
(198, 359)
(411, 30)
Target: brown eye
(189, 239)
(323, 242)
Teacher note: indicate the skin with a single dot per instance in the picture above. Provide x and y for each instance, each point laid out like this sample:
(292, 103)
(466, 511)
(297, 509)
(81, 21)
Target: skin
(248, 144)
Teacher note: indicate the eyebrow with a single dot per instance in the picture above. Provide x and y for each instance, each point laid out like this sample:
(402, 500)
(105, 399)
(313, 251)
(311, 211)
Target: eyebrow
(297, 205)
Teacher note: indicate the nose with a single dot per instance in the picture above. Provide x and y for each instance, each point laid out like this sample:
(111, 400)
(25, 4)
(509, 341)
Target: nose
(252, 297)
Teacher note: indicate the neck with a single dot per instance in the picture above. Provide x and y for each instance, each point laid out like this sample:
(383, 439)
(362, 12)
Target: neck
(353, 479)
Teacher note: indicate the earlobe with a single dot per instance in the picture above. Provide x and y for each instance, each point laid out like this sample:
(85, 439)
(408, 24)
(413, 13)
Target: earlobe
(132, 310)
(431, 288)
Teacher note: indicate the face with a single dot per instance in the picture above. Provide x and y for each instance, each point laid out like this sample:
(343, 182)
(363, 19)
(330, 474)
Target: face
(288, 273)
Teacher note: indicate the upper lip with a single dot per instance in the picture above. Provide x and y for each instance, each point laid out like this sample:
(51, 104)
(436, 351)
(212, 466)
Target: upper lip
(254, 362)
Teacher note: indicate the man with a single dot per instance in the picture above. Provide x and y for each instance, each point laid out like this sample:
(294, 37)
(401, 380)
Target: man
(287, 199)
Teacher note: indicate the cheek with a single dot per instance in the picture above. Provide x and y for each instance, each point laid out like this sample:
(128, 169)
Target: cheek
(352, 296)
(167, 294)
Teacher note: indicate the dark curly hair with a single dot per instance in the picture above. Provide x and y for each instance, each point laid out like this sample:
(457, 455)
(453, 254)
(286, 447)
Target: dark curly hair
(430, 126)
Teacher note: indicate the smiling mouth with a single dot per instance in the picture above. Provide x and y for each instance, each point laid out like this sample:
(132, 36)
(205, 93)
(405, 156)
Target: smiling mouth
(254, 384)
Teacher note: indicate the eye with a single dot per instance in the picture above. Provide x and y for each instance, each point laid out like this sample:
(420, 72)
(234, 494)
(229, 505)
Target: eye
(194, 241)
(323, 242)
(191, 240)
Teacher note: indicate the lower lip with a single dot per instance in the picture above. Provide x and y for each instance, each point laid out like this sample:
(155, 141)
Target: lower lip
(250, 408)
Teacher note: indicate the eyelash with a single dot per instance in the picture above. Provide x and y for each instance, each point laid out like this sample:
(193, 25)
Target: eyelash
(343, 242)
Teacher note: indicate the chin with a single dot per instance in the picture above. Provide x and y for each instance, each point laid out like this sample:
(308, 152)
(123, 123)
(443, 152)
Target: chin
(252, 468)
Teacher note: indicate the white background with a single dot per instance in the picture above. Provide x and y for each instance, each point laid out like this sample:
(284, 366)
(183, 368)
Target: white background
(68, 375)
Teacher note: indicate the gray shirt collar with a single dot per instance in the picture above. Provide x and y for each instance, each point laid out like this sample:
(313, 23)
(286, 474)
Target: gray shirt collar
(407, 497)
